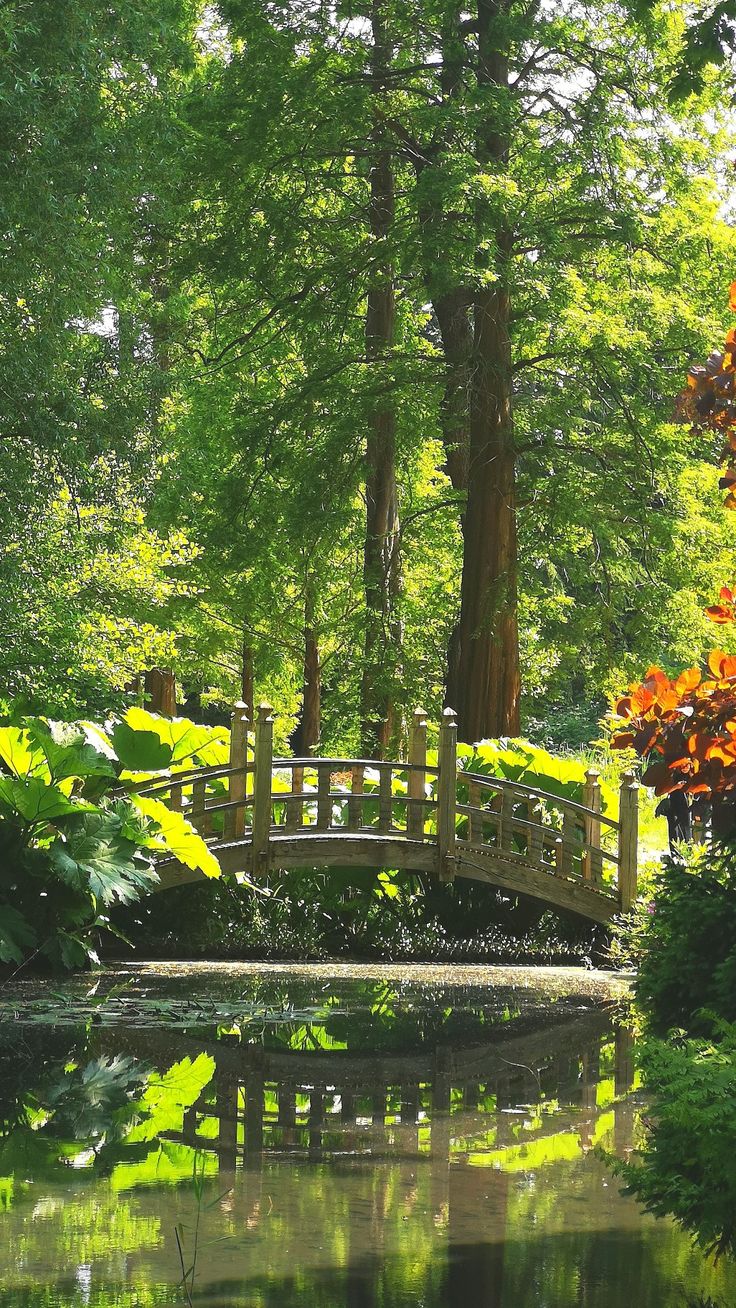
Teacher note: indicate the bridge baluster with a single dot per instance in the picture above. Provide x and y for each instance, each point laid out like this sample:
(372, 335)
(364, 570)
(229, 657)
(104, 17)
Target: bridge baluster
(506, 823)
(627, 840)
(475, 820)
(324, 803)
(593, 863)
(385, 799)
(262, 783)
(198, 817)
(176, 799)
(569, 840)
(294, 806)
(416, 786)
(237, 782)
(536, 832)
(355, 802)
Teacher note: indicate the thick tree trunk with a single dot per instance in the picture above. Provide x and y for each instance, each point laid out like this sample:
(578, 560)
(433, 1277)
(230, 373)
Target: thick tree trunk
(453, 318)
(381, 563)
(486, 683)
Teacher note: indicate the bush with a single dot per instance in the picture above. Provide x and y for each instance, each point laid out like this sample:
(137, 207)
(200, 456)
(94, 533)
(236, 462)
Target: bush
(686, 941)
(687, 1169)
(75, 838)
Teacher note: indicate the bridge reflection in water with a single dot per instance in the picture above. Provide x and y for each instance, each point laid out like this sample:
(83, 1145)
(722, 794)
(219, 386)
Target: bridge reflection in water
(447, 1135)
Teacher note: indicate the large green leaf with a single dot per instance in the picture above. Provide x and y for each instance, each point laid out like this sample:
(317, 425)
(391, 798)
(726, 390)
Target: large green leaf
(166, 1097)
(178, 837)
(98, 859)
(139, 750)
(35, 800)
(187, 740)
(21, 754)
(68, 753)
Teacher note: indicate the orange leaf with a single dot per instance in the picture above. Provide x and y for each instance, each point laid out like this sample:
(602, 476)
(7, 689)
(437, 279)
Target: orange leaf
(715, 660)
(718, 613)
(623, 740)
(732, 297)
(725, 594)
(688, 680)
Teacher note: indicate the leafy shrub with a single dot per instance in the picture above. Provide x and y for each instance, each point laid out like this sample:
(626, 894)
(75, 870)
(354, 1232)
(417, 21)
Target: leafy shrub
(75, 838)
(519, 760)
(687, 1170)
(686, 941)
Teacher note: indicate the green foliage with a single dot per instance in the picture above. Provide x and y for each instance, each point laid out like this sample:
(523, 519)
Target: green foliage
(519, 760)
(685, 941)
(72, 842)
(687, 1168)
(112, 1107)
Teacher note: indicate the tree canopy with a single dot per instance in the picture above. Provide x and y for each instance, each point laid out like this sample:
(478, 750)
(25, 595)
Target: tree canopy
(339, 354)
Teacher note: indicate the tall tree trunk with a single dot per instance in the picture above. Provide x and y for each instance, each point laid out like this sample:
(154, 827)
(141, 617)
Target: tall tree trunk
(305, 737)
(247, 675)
(453, 318)
(381, 562)
(487, 683)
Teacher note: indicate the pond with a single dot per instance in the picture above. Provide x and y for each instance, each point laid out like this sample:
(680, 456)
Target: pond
(326, 1137)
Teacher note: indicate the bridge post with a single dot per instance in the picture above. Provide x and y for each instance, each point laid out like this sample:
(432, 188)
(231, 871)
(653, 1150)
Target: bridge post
(628, 839)
(447, 795)
(262, 786)
(417, 777)
(237, 784)
(592, 861)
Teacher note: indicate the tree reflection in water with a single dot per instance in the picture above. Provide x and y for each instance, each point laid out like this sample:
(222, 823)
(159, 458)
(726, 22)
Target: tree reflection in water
(449, 1165)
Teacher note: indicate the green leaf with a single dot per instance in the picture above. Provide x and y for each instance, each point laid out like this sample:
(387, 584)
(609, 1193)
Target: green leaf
(140, 751)
(187, 740)
(20, 754)
(74, 757)
(166, 1097)
(98, 859)
(35, 800)
(178, 837)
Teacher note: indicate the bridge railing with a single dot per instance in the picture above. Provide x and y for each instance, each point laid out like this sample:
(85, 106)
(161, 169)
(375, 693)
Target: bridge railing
(468, 818)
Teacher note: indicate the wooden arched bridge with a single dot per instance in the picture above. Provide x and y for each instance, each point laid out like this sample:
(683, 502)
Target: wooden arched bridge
(438, 820)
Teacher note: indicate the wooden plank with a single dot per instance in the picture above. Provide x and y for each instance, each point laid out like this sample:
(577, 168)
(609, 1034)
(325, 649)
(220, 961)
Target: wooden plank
(536, 833)
(355, 803)
(569, 842)
(592, 862)
(198, 815)
(262, 806)
(417, 780)
(324, 801)
(385, 798)
(505, 831)
(447, 796)
(628, 841)
(475, 820)
(237, 782)
(294, 802)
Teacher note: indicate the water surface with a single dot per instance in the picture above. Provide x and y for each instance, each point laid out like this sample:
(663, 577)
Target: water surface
(326, 1137)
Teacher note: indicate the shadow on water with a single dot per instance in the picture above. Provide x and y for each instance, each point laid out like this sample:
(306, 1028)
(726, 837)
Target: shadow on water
(361, 1146)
